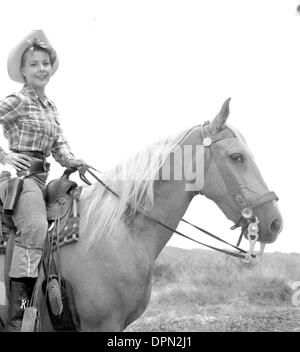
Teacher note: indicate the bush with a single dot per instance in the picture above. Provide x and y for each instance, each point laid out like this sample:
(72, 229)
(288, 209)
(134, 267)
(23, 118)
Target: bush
(269, 291)
(163, 274)
(206, 277)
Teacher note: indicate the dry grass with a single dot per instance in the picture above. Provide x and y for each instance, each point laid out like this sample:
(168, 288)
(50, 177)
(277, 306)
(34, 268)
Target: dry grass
(199, 290)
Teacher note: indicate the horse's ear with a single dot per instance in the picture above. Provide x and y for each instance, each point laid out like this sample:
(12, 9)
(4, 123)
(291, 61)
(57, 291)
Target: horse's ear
(219, 121)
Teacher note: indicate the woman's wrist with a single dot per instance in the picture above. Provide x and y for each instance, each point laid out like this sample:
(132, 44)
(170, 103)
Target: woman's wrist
(70, 162)
(3, 155)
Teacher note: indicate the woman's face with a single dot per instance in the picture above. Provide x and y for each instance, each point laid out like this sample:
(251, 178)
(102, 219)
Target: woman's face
(36, 68)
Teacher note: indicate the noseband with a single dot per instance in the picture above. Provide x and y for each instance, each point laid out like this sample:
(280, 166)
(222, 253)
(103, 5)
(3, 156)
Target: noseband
(246, 207)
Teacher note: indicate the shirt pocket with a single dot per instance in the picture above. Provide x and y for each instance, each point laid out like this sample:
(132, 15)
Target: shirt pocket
(32, 122)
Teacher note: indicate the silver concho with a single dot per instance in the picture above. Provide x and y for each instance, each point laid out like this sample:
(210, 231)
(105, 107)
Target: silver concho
(207, 141)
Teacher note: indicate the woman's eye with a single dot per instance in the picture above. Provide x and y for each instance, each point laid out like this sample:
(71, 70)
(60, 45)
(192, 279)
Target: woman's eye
(237, 157)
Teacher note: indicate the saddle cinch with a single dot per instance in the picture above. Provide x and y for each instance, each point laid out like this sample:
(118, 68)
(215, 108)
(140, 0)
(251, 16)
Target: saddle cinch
(62, 203)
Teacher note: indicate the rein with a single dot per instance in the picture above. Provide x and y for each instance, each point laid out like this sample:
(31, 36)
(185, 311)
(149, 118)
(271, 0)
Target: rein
(250, 221)
(241, 255)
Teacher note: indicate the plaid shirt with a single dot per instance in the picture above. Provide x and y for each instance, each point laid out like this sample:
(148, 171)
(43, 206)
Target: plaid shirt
(31, 124)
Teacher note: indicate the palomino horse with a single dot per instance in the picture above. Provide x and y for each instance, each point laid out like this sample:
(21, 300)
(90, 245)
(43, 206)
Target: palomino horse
(110, 267)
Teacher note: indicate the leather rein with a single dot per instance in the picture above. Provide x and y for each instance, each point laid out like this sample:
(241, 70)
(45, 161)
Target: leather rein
(246, 208)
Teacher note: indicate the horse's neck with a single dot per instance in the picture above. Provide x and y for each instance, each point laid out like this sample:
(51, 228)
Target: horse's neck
(170, 203)
(172, 198)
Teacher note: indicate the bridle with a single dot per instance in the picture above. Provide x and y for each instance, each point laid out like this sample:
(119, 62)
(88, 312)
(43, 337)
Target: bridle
(246, 208)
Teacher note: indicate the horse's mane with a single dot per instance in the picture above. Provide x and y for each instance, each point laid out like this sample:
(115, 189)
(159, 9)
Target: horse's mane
(132, 180)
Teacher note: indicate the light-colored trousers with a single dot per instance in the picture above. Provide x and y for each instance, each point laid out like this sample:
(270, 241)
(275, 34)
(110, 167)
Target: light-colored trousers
(30, 219)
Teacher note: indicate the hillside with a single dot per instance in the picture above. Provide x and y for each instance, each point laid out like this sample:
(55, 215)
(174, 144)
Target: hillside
(200, 290)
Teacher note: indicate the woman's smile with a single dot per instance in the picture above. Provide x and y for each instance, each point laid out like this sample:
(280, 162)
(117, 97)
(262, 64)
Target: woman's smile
(43, 76)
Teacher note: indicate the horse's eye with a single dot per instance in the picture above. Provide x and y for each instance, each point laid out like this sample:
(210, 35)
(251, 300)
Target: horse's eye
(237, 157)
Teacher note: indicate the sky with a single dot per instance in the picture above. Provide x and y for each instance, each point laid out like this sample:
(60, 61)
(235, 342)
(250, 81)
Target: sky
(133, 72)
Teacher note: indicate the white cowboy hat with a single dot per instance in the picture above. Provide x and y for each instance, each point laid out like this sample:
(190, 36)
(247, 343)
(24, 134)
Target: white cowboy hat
(15, 55)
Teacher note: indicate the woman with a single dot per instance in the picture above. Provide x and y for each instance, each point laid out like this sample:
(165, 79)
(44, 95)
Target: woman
(30, 123)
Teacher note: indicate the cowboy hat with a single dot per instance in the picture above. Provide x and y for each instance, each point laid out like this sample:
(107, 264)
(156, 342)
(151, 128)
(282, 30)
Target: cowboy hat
(15, 55)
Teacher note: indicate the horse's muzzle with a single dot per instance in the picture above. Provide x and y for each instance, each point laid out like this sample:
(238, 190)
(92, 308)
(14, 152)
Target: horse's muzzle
(270, 222)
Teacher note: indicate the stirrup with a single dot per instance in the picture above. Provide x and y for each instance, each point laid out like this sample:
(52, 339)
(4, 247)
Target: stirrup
(54, 296)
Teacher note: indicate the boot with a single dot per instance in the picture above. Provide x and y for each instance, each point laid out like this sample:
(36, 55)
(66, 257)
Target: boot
(19, 297)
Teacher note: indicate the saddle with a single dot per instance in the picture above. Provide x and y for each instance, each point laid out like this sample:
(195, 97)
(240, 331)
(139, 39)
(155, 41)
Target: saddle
(62, 204)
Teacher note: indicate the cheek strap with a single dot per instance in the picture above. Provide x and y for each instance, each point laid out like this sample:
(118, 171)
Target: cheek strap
(246, 207)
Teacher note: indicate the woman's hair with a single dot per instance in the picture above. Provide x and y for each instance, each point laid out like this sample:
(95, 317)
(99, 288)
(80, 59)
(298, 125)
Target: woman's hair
(39, 45)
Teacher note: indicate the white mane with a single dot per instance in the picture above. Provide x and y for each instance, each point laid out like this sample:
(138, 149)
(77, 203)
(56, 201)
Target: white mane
(132, 180)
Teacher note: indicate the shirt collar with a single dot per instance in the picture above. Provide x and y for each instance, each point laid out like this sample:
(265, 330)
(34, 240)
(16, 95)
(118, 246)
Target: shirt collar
(32, 94)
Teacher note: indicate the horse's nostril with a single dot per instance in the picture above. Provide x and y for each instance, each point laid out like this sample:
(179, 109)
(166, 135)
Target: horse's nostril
(275, 227)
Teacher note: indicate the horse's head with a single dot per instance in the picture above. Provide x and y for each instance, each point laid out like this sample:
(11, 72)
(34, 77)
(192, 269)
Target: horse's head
(234, 182)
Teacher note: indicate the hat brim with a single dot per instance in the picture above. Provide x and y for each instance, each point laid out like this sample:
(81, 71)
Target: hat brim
(15, 55)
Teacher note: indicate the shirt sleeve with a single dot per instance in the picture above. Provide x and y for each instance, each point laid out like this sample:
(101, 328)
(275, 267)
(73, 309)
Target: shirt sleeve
(61, 150)
(9, 110)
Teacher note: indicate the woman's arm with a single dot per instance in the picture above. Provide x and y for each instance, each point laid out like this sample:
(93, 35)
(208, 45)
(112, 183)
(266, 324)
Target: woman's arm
(61, 152)
(9, 110)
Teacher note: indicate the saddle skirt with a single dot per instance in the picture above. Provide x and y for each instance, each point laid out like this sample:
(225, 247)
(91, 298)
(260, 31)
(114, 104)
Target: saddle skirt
(62, 203)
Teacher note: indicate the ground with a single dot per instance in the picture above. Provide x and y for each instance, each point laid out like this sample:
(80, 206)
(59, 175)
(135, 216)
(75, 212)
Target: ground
(222, 318)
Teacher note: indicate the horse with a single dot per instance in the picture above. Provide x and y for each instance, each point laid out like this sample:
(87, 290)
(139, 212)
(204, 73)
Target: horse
(110, 268)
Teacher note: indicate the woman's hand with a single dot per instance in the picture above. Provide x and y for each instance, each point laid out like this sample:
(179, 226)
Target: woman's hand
(79, 164)
(18, 161)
